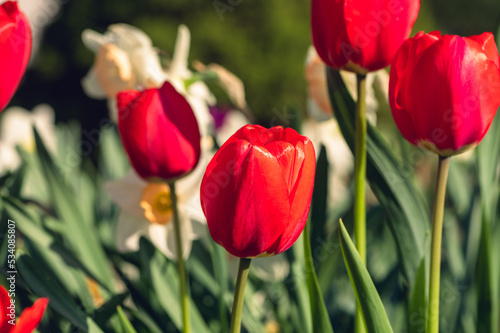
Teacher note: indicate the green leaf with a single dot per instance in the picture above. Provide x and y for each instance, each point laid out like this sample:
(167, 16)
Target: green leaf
(49, 252)
(301, 288)
(40, 282)
(79, 234)
(319, 200)
(488, 155)
(112, 158)
(164, 279)
(108, 309)
(366, 294)
(487, 302)
(93, 327)
(219, 263)
(319, 197)
(125, 323)
(17, 179)
(320, 319)
(407, 213)
(417, 319)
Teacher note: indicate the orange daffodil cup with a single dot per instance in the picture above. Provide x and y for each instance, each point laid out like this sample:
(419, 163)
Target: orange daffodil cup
(256, 195)
(360, 36)
(161, 137)
(15, 46)
(444, 92)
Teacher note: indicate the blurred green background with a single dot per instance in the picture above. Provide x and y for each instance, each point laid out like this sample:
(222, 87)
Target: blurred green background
(263, 42)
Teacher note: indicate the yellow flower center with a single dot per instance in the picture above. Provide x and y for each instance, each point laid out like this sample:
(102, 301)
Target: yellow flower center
(29, 145)
(157, 203)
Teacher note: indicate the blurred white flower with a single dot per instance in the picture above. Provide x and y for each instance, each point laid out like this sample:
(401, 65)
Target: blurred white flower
(126, 59)
(340, 158)
(318, 102)
(233, 85)
(40, 13)
(16, 129)
(270, 269)
(146, 210)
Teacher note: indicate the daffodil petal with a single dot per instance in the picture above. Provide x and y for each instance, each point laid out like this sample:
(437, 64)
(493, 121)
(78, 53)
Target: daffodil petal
(129, 229)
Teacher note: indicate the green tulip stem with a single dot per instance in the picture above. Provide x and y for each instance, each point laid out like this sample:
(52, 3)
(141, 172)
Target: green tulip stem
(437, 231)
(239, 293)
(359, 182)
(180, 262)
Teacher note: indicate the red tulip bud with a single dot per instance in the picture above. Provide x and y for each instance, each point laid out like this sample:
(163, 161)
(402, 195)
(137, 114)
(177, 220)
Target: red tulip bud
(257, 190)
(444, 91)
(361, 36)
(159, 132)
(15, 49)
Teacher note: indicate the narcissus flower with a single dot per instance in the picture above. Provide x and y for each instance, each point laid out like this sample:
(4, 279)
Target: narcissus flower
(16, 129)
(361, 35)
(29, 319)
(444, 91)
(15, 46)
(257, 190)
(126, 59)
(159, 132)
(146, 210)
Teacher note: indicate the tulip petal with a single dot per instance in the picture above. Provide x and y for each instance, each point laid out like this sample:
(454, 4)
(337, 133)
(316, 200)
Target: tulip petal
(329, 33)
(15, 43)
(300, 195)
(377, 29)
(462, 109)
(159, 131)
(31, 317)
(4, 303)
(400, 77)
(487, 42)
(257, 206)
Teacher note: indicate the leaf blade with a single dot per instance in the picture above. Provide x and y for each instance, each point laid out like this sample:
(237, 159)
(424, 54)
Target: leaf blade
(373, 310)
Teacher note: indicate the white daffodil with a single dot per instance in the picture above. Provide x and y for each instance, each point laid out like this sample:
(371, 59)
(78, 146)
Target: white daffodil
(126, 59)
(16, 129)
(146, 210)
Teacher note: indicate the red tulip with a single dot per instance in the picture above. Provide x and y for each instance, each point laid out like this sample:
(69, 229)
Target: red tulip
(361, 36)
(29, 319)
(257, 190)
(444, 91)
(15, 46)
(159, 131)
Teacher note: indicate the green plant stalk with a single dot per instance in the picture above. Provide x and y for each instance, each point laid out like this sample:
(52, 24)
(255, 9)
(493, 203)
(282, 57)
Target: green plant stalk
(239, 293)
(437, 231)
(180, 262)
(359, 182)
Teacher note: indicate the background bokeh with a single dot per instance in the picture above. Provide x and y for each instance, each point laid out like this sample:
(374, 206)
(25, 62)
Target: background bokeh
(263, 42)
